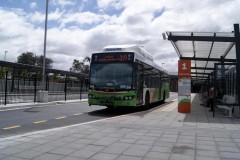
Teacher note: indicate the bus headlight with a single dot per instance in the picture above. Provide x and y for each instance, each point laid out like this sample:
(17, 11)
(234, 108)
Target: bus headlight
(128, 98)
(91, 96)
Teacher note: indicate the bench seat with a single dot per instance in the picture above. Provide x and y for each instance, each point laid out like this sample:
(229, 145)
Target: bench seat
(227, 103)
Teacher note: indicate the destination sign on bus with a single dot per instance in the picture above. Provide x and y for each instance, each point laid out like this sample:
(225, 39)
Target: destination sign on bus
(112, 57)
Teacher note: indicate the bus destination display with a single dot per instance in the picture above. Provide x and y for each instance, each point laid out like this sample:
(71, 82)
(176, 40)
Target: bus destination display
(112, 57)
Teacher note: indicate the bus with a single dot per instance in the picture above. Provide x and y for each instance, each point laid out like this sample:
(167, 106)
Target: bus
(124, 76)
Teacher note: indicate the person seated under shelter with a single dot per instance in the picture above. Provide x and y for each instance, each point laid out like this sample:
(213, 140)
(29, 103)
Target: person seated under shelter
(209, 102)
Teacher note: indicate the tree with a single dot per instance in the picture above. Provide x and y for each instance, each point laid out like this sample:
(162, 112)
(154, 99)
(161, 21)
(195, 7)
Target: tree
(48, 62)
(27, 58)
(81, 67)
(31, 59)
(77, 66)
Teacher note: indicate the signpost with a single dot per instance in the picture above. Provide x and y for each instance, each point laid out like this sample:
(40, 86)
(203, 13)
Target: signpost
(184, 86)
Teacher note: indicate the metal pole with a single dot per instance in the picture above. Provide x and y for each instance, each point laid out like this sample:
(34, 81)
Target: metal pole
(35, 87)
(65, 88)
(44, 50)
(5, 100)
(81, 85)
(13, 75)
(5, 55)
(237, 45)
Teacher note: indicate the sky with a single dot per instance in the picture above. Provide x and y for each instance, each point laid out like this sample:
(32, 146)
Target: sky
(77, 28)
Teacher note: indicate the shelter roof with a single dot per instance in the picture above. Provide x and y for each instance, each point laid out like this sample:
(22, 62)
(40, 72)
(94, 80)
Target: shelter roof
(30, 68)
(204, 49)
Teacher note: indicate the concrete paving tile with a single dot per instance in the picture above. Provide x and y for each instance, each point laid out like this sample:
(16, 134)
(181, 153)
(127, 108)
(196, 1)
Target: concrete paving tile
(43, 148)
(104, 156)
(94, 148)
(116, 148)
(180, 157)
(211, 143)
(27, 145)
(2, 147)
(228, 149)
(83, 153)
(225, 144)
(2, 155)
(74, 145)
(47, 156)
(164, 144)
(72, 158)
(223, 140)
(205, 147)
(169, 135)
(183, 151)
(206, 158)
(84, 141)
(207, 153)
(185, 145)
(127, 140)
(78, 136)
(205, 138)
(162, 139)
(41, 141)
(116, 135)
(181, 140)
(12, 158)
(186, 137)
(12, 150)
(230, 155)
(122, 157)
(162, 149)
(145, 142)
(28, 154)
(62, 151)
(69, 139)
(151, 138)
(8, 143)
(157, 155)
(105, 141)
(56, 143)
(135, 152)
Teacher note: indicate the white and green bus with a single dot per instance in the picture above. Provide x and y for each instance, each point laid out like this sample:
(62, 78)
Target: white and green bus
(126, 75)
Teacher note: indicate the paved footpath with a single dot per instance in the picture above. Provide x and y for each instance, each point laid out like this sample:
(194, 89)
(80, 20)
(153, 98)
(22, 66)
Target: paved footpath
(150, 135)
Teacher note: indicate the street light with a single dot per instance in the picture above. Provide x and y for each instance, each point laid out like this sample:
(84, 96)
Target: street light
(5, 55)
(45, 41)
(162, 64)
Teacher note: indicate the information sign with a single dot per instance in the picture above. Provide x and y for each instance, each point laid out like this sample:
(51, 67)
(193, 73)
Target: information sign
(112, 57)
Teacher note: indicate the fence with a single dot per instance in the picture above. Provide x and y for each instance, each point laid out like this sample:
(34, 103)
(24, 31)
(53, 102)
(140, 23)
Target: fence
(23, 89)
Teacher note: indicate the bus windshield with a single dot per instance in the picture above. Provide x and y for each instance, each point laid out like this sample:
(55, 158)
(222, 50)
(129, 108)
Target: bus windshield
(116, 76)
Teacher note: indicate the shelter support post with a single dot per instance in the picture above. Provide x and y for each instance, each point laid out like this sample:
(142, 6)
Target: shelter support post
(5, 97)
(237, 45)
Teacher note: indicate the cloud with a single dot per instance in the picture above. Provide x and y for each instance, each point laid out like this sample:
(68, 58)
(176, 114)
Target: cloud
(33, 5)
(89, 18)
(64, 3)
(75, 34)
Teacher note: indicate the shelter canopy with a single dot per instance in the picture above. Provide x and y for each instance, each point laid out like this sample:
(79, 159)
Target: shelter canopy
(204, 49)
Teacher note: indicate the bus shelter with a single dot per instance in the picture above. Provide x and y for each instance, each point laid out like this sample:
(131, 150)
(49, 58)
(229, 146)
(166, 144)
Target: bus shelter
(215, 60)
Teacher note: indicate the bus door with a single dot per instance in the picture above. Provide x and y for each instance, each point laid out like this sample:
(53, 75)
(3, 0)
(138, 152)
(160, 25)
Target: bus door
(160, 86)
(139, 82)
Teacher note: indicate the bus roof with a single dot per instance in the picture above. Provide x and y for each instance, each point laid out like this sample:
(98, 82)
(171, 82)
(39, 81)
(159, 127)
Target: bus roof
(139, 51)
(129, 48)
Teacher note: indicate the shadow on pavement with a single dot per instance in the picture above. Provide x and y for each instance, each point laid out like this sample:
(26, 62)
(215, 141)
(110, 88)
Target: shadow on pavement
(137, 111)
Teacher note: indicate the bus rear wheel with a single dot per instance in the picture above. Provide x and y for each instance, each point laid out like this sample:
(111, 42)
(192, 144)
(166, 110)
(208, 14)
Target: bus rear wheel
(147, 100)
(163, 100)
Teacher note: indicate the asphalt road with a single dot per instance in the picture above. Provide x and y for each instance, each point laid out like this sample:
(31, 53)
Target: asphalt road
(21, 121)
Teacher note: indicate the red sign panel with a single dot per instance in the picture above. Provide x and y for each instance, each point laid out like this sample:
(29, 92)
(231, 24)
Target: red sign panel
(184, 68)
